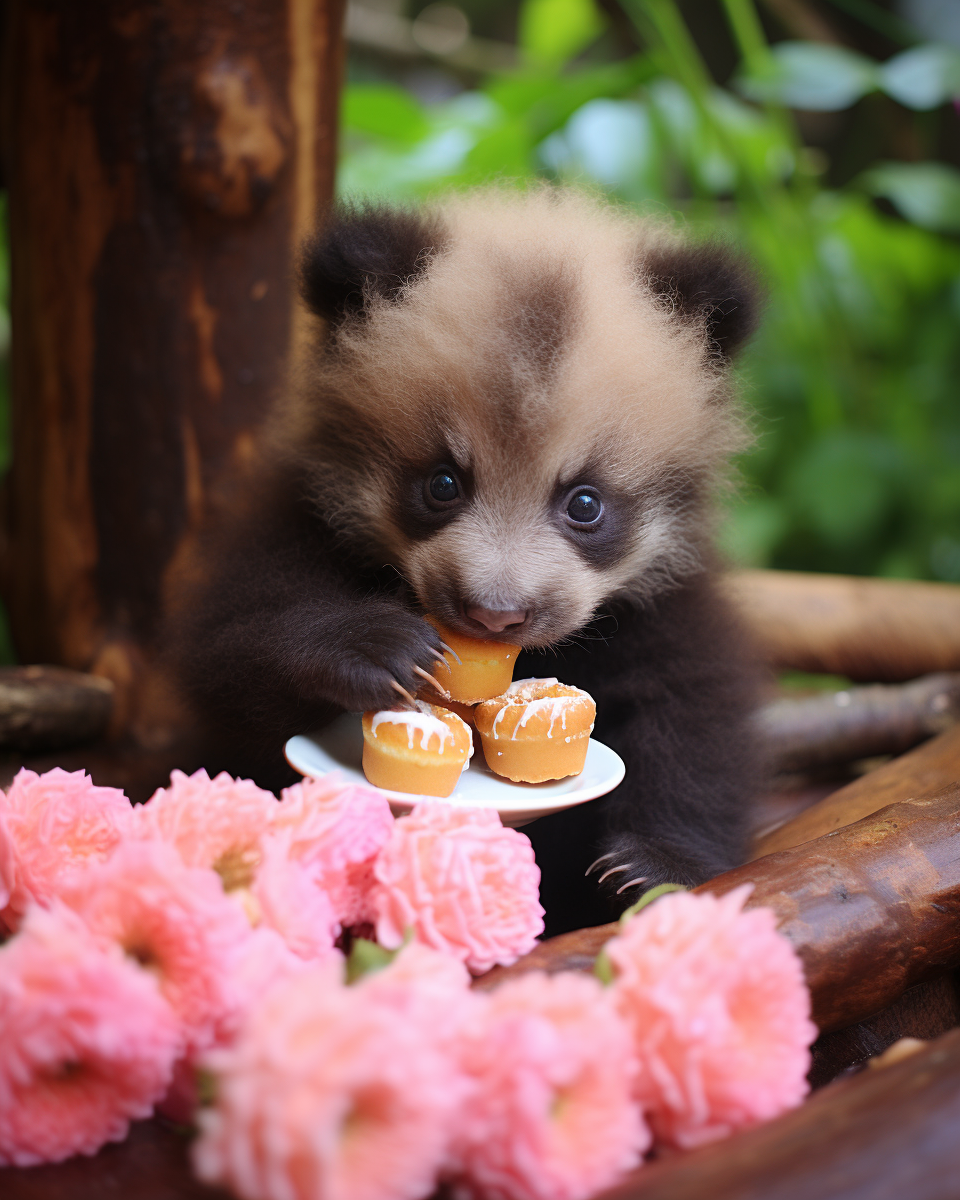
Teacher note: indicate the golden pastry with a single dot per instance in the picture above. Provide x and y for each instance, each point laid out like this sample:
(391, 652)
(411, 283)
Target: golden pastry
(421, 751)
(538, 729)
(474, 669)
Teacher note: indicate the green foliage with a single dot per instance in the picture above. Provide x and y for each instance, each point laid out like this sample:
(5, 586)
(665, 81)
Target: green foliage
(824, 78)
(365, 958)
(552, 31)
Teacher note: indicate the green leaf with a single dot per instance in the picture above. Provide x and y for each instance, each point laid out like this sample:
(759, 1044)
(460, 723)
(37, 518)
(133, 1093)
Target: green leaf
(648, 897)
(813, 76)
(553, 31)
(366, 957)
(381, 110)
(842, 485)
(924, 77)
(928, 194)
(603, 968)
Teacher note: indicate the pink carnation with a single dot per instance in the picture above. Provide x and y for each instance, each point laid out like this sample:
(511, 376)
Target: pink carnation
(176, 921)
(87, 1043)
(720, 1014)
(216, 823)
(229, 825)
(51, 825)
(337, 829)
(286, 897)
(462, 883)
(326, 1093)
(262, 961)
(427, 987)
(552, 1116)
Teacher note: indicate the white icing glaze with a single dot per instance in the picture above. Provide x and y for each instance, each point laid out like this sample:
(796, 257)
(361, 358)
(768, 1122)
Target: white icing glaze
(521, 693)
(524, 688)
(423, 723)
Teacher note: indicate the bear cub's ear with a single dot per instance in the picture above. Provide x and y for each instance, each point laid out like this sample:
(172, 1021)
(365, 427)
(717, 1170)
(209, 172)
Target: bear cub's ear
(711, 284)
(364, 252)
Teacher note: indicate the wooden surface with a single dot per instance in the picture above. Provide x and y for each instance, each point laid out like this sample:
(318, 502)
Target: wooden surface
(925, 1011)
(152, 1164)
(922, 772)
(48, 708)
(163, 160)
(858, 722)
(874, 630)
(884, 1134)
(872, 909)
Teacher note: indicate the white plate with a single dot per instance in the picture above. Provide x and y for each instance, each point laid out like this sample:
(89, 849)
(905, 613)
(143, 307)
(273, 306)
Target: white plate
(339, 747)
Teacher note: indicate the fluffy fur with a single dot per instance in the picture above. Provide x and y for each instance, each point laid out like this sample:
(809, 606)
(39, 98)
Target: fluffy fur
(529, 346)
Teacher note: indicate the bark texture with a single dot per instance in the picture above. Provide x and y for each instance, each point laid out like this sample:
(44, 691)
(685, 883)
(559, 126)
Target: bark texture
(924, 771)
(871, 909)
(873, 630)
(859, 722)
(48, 708)
(885, 1134)
(163, 158)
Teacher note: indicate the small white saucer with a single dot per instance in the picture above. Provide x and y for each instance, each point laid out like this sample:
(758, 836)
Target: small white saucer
(339, 747)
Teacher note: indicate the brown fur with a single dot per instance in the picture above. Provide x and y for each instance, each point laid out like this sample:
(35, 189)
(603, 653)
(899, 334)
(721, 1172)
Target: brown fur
(531, 345)
(529, 348)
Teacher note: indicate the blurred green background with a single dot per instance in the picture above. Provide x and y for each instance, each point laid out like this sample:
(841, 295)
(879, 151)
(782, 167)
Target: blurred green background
(823, 137)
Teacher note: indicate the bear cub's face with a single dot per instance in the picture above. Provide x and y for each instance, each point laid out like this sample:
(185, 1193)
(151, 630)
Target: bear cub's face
(521, 403)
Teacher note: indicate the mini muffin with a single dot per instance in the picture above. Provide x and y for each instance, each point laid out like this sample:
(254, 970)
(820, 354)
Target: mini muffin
(466, 712)
(424, 752)
(538, 729)
(484, 668)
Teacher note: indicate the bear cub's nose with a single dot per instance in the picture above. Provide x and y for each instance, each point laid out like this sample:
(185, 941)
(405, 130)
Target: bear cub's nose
(496, 620)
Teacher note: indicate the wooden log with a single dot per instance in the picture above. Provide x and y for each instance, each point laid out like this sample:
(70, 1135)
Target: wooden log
(163, 160)
(48, 708)
(871, 909)
(886, 1134)
(925, 1011)
(873, 630)
(858, 722)
(922, 772)
(153, 1163)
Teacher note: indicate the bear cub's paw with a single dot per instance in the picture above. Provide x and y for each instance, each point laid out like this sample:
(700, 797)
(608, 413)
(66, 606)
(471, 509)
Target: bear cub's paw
(634, 864)
(392, 643)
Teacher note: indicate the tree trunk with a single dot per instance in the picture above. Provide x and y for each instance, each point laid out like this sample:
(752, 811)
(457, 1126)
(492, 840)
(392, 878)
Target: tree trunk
(164, 158)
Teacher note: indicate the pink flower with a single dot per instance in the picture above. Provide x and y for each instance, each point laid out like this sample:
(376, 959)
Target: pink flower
(553, 1115)
(229, 825)
(261, 962)
(51, 825)
(337, 829)
(87, 1043)
(462, 883)
(216, 823)
(720, 1014)
(327, 1094)
(427, 987)
(286, 897)
(176, 921)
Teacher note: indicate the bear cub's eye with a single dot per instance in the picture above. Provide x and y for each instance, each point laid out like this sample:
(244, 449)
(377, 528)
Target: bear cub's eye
(442, 488)
(584, 508)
